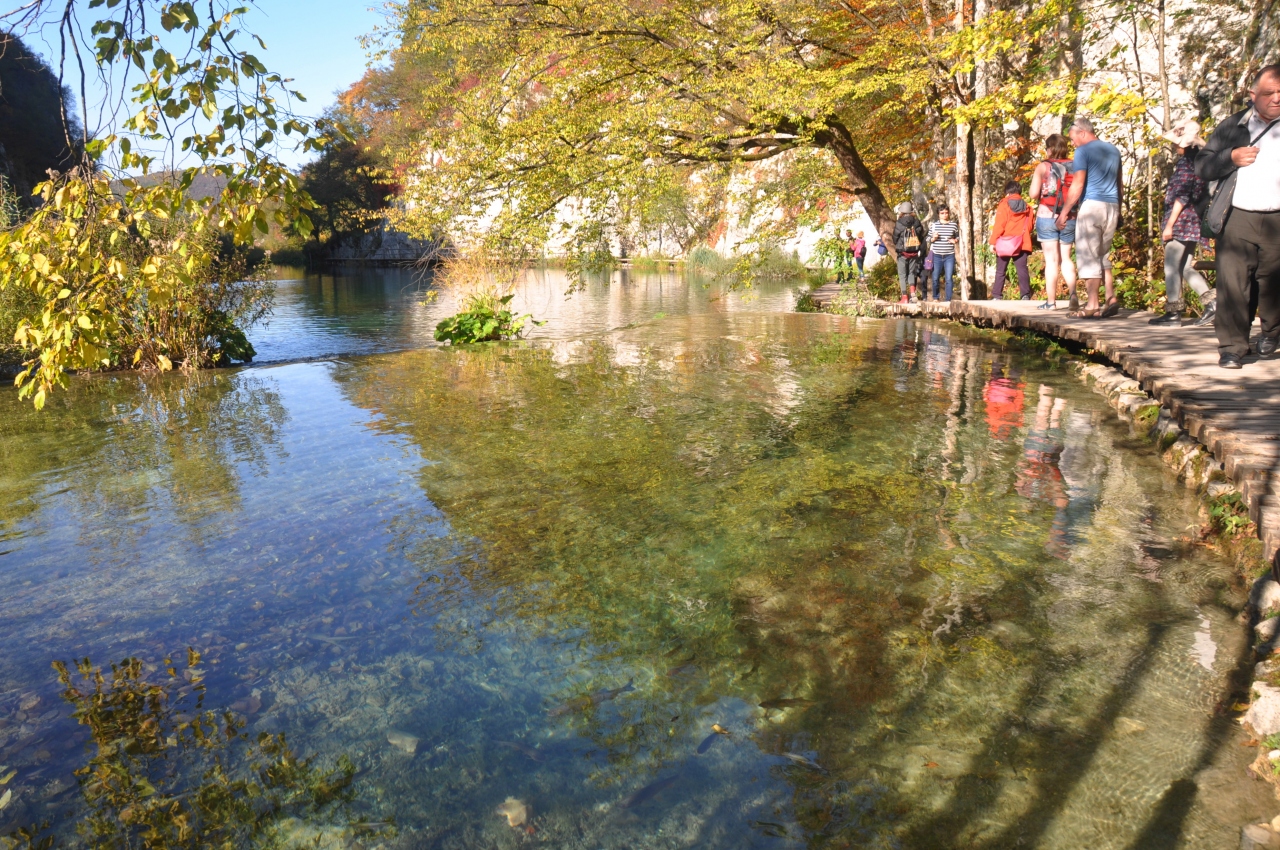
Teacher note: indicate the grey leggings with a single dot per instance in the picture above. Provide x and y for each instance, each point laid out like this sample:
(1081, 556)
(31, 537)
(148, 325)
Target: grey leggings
(1179, 256)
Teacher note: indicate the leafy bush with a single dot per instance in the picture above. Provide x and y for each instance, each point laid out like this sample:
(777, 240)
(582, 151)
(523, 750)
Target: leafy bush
(882, 279)
(486, 319)
(1228, 514)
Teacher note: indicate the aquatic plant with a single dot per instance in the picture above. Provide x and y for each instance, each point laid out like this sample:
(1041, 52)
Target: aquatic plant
(1228, 514)
(166, 773)
(485, 320)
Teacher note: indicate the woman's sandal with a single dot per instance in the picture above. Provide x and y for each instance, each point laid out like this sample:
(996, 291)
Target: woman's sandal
(1085, 313)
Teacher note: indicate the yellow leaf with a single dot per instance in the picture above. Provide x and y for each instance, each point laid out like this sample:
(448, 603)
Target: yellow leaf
(83, 321)
(165, 363)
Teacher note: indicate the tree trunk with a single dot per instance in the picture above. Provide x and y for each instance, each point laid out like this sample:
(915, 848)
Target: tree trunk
(963, 205)
(839, 141)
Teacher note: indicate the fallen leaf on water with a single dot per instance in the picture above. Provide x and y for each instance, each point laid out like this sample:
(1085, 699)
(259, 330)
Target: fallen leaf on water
(1252, 742)
(931, 764)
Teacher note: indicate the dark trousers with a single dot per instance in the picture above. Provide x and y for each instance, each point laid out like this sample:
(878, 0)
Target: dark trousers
(944, 264)
(1024, 275)
(909, 271)
(1248, 279)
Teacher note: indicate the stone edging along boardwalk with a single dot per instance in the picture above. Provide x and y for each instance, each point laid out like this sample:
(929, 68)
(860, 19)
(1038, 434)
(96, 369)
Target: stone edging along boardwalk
(1234, 414)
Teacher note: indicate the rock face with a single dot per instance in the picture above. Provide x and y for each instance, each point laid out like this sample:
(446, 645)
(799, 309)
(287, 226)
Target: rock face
(1266, 630)
(1264, 714)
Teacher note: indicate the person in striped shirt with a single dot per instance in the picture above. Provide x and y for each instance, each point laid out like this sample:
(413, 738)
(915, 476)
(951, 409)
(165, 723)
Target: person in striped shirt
(943, 235)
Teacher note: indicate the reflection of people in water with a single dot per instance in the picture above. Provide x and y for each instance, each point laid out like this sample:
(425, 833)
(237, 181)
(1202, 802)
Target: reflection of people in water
(1039, 476)
(1004, 398)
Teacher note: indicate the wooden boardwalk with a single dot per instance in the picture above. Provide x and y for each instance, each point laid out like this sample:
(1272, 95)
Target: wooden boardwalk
(1235, 414)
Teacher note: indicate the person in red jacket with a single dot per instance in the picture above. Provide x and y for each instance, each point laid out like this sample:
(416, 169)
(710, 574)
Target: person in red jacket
(1011, 239)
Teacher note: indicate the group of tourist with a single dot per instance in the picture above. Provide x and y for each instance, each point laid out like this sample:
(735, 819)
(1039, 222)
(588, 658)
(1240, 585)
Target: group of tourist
(1075, 202)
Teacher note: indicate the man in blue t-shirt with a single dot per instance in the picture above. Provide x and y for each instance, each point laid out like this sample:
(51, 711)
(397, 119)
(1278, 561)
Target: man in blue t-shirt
(1097, 184)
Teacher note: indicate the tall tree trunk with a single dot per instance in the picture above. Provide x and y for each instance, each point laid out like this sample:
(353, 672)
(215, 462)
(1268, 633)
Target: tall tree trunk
(839, 141)
(978, 141)
(963, 205)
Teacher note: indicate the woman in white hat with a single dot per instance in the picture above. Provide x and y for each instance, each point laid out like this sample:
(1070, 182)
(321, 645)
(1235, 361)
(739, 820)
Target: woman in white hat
(1181, 232)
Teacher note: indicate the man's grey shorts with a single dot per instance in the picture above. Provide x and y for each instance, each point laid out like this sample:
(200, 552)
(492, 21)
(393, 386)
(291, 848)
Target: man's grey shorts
(1095, 228)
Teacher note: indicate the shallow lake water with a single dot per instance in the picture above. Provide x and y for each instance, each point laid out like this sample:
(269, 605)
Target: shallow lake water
(928, 587)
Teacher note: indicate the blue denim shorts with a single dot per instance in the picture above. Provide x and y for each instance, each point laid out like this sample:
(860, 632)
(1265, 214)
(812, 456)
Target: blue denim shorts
(1047, 230)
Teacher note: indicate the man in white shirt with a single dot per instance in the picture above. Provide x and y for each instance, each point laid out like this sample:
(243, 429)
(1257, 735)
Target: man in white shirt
(1249, 246)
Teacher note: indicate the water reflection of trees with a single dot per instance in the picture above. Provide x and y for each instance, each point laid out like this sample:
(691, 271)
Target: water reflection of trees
(137, 445)
(783, 513)
(164, 772)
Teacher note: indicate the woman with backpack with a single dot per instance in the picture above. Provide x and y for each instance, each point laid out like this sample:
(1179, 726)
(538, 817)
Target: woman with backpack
(1181, 232)
(1011, 238)
(1049, 186)
(908, 241)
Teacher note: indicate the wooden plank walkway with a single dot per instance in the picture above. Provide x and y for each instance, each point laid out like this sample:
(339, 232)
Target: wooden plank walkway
(1235, 414)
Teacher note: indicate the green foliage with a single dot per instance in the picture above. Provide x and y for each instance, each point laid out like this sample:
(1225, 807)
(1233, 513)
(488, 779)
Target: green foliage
(882, 279)
(349, 193)
(167, 773)
(1228, 514)
(806, 304)
(486, 319)
(94, 252)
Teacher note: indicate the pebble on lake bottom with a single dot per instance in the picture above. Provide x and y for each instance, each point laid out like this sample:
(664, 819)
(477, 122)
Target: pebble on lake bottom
(403, 741)
(515, 811)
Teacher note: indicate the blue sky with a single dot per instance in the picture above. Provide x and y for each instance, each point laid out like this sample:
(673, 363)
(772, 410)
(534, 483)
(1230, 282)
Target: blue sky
(316, 42)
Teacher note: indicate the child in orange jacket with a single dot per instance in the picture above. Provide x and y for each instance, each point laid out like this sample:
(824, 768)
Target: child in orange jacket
(1011, 239)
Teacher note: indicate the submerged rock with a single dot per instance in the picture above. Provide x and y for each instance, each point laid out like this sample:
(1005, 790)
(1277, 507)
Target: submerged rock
(1264, 714)
(1256, 837)
(1129, 726)
(403, 741)
(515, 811)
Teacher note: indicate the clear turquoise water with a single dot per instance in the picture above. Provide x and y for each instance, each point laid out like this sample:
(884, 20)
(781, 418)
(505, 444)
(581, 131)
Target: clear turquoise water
(963, 573)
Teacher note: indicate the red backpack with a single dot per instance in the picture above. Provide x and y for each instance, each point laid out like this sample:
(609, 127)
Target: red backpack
(1053, 192)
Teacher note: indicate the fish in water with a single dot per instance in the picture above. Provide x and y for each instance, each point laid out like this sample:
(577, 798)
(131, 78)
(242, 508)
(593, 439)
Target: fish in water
(805, 762)
(580, 703)
(648, 792)
(784, 703)
(682, 670)
(523, 749)
(337, 640)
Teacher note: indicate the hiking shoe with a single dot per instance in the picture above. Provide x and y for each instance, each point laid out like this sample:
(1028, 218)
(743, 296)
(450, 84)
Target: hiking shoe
(1172, 317)
(903, 300)
(1073, 304)
(1206, 318)
(1230, 361)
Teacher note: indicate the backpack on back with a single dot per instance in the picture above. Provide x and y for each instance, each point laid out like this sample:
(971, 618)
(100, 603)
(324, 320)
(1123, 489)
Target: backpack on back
(1056, 183)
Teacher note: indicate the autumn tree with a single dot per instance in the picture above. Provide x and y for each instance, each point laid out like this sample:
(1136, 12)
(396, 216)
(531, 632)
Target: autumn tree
(532, 110)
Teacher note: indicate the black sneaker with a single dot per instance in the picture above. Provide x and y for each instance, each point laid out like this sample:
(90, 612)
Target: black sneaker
(1206, 318)
(1173, 317)
(1230, 361)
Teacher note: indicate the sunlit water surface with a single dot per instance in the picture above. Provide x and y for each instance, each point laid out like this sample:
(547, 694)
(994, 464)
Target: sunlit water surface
(953, 580)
